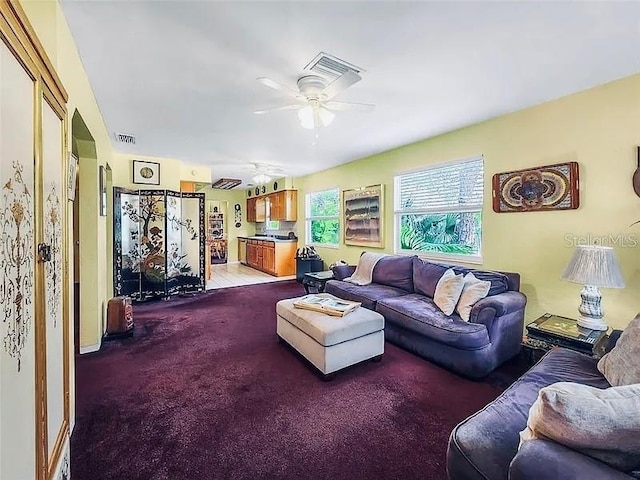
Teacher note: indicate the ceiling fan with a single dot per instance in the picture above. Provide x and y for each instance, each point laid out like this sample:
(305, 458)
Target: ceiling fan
(314, 95)
(263, 173)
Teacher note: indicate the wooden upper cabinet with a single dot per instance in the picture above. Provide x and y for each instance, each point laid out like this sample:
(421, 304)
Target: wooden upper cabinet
(284, 205)
(187, 186)
(261, 209)
(251, 209)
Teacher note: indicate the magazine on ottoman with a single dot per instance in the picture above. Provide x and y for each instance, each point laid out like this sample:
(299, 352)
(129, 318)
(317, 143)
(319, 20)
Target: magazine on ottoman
(326, 303)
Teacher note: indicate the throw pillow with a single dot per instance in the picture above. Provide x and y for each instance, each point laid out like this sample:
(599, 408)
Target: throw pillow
(448, 290)
(473, 290)
(621, 366)
(603, 424)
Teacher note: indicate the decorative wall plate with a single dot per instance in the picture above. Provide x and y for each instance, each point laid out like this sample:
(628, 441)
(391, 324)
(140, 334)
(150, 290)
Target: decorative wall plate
(550, 187)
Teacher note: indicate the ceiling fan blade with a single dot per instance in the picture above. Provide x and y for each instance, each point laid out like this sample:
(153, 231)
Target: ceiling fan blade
(280, 87)
(285, 107)
(341, 83)
(361, 107)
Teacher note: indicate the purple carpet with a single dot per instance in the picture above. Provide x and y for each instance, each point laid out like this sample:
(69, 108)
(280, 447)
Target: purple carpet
(204, 391)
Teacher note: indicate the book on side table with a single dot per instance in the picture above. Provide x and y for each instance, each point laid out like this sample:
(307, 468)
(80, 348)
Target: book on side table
(326, 303)
(565, 332)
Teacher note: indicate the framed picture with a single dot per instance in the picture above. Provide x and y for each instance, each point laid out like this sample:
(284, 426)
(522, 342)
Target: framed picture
(537, 189)
(363, 216)
(102, 185)
(72, 172)
(146, 173)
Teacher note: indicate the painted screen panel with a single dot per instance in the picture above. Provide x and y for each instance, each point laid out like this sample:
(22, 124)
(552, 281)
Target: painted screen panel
(174, 242)
(126, 243)
(17, 264)
(193, 244)
(53, 203)
(152, 244)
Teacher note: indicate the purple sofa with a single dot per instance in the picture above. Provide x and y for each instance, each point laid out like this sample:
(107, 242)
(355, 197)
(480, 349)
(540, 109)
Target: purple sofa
(402, 291)
(485, 445)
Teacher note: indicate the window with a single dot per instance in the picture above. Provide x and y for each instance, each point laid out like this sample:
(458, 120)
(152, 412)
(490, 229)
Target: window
(323, 217)
(438, 210)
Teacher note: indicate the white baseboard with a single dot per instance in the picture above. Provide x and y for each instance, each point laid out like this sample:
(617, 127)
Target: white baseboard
(231, 263)
(90, 348)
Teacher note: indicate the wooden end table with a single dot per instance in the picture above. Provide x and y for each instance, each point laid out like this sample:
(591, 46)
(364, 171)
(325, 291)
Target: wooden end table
(316, 280)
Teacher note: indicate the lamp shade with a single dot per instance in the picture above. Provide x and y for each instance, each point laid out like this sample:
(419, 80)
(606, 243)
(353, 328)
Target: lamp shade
(594, 265)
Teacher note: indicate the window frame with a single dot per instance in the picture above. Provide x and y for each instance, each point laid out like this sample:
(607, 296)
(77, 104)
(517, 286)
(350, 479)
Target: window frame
(476, 258)
(308, 218)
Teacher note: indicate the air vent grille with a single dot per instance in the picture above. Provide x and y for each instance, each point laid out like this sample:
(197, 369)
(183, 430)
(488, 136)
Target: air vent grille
(226, 183)
(125, 138)
(330, 67)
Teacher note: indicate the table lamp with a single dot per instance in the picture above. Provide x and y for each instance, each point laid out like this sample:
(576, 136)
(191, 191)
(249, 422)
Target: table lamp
(593, 266)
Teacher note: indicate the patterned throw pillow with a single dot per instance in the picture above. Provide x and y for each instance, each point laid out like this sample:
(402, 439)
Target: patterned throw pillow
(448, 291)
(621, 366)
(603, 424)
(472, 291)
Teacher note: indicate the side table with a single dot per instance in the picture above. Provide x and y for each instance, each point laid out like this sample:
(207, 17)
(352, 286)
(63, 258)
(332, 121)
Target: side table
(316, 280)
(534, 348)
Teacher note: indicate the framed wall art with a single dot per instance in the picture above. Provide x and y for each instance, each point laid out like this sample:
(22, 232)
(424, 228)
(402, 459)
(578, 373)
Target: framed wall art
(72, 172)
(363, 216)
(550, 187)
(146, 173)
(102, 185)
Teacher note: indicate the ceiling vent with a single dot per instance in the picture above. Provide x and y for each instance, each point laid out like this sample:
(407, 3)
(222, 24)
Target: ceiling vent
(125, 138)
(331, 67)
(226, 183)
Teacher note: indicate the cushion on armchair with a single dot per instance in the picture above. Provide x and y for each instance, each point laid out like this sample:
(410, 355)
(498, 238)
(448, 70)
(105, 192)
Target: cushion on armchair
(621, 366)
(601, 423)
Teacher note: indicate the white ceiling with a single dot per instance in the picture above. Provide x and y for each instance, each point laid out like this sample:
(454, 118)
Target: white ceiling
(181, 75)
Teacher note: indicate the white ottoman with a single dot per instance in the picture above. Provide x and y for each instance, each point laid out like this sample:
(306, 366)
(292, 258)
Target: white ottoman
(331, 343)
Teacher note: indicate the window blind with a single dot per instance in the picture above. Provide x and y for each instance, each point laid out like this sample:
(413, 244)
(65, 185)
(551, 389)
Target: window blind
(451, 187)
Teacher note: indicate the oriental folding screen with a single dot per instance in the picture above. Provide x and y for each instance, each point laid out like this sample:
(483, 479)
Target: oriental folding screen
(159, 243)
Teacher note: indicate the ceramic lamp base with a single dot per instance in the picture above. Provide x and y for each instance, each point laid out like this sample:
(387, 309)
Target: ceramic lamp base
(592, 323)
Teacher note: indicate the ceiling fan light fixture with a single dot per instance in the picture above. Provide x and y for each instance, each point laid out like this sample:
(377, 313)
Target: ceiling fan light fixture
(306, 117)
(261, 178)
(326, 116)
(315, 115)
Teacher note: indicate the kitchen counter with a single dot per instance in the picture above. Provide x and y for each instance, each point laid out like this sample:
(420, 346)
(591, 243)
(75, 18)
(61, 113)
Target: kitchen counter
(271, 239)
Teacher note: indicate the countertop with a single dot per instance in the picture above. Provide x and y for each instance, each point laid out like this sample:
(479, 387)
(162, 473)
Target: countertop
(271, 239)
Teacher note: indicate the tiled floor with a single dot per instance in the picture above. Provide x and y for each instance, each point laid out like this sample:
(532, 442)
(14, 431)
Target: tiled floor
(235, 274)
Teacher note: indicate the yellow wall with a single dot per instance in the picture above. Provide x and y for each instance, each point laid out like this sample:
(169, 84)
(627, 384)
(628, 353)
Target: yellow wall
(172, 171)
(597, 128)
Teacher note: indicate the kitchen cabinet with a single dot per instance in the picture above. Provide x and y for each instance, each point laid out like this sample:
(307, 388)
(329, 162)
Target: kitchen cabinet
(251, 209)
(282, 206)
(272, 257)
(261, 209)
(269, 257)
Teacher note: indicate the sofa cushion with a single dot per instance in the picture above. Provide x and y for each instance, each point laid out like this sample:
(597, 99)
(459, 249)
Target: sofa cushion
(473, 290)
(426, 276)
(448, 291)
(488, 440)
(395, 271)
(621, 366)
(601, 423)
(499, 281)
(368, 295)
(419, 314)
